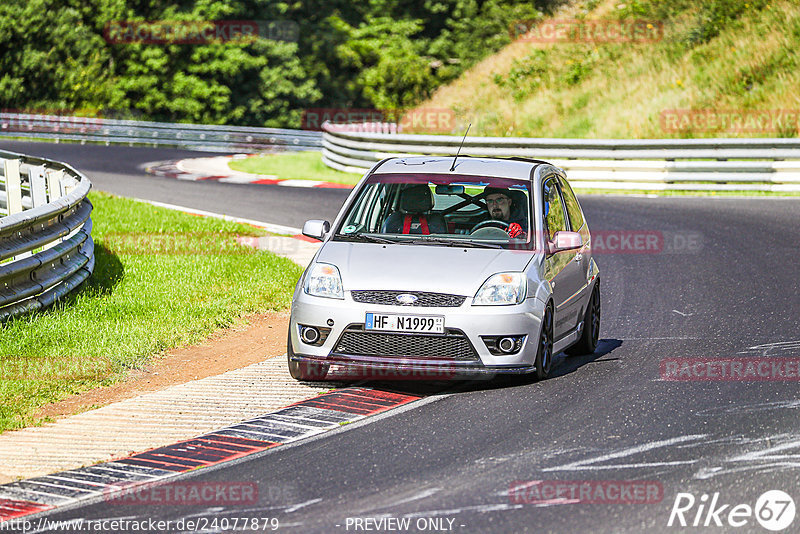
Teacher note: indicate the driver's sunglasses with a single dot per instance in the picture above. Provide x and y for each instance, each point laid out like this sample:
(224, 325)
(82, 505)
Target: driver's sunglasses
(498, 200)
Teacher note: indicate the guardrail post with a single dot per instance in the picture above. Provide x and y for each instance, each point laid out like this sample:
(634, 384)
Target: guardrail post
(13, 185)
(38, 186)
(54, 187)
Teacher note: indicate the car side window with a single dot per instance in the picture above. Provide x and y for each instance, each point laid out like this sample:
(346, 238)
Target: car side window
(573, 208)
(376, 208)
(553, 209)
(358, 216)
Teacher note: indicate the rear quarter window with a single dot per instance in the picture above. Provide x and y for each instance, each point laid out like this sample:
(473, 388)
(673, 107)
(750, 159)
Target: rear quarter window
(573, 208)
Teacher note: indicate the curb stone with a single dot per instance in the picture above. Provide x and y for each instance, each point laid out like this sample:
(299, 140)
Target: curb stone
(216, 169)
(110, 479)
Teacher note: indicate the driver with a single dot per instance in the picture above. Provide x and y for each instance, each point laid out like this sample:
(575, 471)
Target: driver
(501, 206)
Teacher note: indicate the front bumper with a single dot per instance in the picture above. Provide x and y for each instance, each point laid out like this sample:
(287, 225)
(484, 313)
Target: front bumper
(352, 367)
(474, 322)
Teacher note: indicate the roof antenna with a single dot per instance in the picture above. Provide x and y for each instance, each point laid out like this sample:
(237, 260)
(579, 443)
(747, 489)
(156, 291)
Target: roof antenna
(453, 166)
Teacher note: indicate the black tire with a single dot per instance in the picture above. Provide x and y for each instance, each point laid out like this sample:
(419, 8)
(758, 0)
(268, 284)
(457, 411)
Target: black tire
(544, 354)
(587, 343)
(308, 371)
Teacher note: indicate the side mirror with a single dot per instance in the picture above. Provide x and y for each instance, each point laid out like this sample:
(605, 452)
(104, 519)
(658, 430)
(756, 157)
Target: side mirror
(316, 229)
(566, 241)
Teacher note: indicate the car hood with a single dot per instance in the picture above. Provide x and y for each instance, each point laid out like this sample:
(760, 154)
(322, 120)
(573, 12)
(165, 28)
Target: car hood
(453, 270)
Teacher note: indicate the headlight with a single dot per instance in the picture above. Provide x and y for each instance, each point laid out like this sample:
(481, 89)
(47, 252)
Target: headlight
(502, 289)
(324, 281)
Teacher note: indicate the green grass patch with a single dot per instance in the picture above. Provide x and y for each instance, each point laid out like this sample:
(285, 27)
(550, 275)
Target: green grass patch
(294, 166)
(163, 279)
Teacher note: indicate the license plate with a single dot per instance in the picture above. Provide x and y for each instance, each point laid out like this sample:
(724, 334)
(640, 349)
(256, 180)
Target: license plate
(395, 322)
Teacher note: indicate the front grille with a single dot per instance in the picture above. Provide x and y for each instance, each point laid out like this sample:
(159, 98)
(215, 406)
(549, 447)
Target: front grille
(424, 298)
(452, 346)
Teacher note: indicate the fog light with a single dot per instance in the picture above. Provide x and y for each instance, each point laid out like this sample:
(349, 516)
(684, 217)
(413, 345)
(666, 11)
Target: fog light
(312, 335)
(309, 335)
(506, 345)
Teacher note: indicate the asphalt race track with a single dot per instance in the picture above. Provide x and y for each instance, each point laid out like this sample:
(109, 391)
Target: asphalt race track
(118, 170)
(723, 283)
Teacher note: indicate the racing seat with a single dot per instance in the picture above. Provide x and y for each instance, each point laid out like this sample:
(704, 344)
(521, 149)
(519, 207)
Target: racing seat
(413, 214)
(519, 211)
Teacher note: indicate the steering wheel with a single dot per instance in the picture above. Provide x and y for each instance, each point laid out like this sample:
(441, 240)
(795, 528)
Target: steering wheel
(503, 225)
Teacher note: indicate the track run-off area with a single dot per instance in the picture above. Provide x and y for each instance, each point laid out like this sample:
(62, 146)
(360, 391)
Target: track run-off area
(720, 284)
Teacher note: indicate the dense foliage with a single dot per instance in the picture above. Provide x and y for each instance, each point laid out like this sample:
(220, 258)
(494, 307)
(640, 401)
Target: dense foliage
(385, 54)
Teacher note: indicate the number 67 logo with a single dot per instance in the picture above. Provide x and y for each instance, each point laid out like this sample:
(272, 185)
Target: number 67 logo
(775, 510)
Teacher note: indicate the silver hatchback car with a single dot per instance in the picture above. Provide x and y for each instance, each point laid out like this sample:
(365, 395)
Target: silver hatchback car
(438, 268)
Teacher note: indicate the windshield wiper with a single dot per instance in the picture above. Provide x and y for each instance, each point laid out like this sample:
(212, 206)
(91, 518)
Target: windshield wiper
(364, 238)
(368, 238)
(454, 242)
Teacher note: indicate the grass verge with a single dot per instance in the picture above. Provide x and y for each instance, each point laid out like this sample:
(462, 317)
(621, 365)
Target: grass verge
(294, 166)
(162, 279)
(713, 57)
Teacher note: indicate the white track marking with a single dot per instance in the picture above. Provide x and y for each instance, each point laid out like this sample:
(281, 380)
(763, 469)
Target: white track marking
(750, 408)
(761, 460)
(238, 179)
(768, 453)
(624, 466)
(300, 183)
(421, 495)
(711, 472)
(270, 227)
(771, 348)
(581, 465)
(481, 508)
(294, 507)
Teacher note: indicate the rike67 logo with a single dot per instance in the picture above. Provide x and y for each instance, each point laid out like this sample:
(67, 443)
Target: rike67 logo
(774, 510)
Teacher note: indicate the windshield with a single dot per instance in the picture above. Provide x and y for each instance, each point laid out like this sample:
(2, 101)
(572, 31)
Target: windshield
(442, 209)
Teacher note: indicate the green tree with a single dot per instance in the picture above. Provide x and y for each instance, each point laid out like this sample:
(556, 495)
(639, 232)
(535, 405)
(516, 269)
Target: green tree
(378, 53)
(52, 56)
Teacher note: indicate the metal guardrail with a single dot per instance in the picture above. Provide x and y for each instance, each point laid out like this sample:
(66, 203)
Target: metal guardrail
(210, 138)
(651, 164)
(46, 248)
